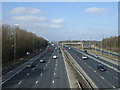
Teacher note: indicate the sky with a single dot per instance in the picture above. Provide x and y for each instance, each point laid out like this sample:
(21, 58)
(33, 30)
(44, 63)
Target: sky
(58, 21)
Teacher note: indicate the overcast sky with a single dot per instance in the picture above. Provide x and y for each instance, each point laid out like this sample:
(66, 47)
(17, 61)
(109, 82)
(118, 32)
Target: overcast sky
(64, 20)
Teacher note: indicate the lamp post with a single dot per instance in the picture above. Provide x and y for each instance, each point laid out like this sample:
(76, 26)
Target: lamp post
(15, 27)
(33, 40)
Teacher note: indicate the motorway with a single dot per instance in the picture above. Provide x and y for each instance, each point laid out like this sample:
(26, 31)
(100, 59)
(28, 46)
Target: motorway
(51, 74)
(107, 79)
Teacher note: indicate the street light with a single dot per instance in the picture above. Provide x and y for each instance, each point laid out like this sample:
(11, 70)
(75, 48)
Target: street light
(15, 27)
(33, 40)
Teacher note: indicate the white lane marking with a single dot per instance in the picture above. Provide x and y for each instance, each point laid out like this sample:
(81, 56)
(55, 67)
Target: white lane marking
(46, 64)
(53, 81)
(33, 69)
(36, 82)
(41, 74)
(56, 64)
(85, 63)
(94, 71)
(54, 73)
(102, 77)
(11, 76)
(66, 69)
(55, 68)
(36, 65)
(113, 86)
(89, 67)
(28, 74)
(101, 62)
(20, 82)
(44, 68)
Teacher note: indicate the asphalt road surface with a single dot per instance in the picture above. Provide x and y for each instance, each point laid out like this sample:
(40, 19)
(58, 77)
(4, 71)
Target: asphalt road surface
(107, 79)
(50, 74)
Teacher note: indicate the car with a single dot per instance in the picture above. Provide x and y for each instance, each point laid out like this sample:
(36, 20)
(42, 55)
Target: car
(51, 50)
(30, 65)
(85, 51)
(54, 57)
(84, 57)
(101, 67)
(96, 56)
(69, 48)
(59, 51)
(41, 61)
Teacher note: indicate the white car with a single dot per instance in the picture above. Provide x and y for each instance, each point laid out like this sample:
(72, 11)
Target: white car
(41, 61)
(54, 57)
(84, 57)
(96, 56)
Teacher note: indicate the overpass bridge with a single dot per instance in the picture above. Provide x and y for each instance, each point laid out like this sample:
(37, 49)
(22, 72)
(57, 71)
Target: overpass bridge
(72, 43)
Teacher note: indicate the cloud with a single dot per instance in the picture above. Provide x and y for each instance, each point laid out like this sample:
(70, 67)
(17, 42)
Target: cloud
(29, 18)
(24, 10)
(48, 26)
(96, 10)
(57, 21)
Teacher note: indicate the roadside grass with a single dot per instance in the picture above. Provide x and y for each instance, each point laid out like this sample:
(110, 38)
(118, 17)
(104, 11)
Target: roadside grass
(105, 55)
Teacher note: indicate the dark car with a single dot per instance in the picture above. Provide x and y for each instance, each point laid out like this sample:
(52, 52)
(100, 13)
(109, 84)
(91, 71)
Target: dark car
(30, 66)
(51, 50)
(59, 51)
(101, 67)
(85, 51)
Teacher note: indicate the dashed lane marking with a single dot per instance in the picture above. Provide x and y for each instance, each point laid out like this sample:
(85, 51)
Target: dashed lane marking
(41, 74)
(36, 65)
(102, 77)
(113, 86)
(11, 76)
(94, 71)
(20, 82)
(53, 82)
(36, 82)
(56, 64)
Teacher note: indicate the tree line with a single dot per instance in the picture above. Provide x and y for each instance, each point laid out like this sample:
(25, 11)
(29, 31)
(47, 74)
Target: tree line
(111, 43)
(19, 41)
